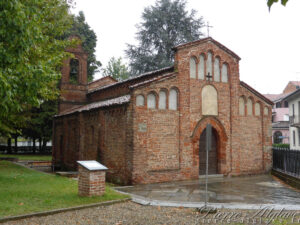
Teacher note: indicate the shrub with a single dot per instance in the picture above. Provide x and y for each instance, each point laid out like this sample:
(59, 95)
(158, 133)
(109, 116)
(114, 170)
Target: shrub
(281, 145)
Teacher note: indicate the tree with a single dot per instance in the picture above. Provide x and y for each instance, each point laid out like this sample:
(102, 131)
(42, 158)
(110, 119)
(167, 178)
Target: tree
(116, 69)
(165, 25)
(31, 54)
(89, 41)
(271, 2)
(40, 124)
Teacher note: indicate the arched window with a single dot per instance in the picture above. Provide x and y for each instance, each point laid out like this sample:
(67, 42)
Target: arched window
(278, 105)
(209, 100)
(217, 70)
(257, 109)
(266, 111)
(241, 106)
(224, 73)
(249, 107)
(277, 137)
(162, 100)
(209, 63)
(173, 99)
(74, 71)
(140, 100)
(201, 67)
(151, 101)
(193, 67)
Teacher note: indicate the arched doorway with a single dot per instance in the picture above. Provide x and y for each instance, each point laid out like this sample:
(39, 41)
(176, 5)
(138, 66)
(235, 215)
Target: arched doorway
(212, 154)
(221, 165)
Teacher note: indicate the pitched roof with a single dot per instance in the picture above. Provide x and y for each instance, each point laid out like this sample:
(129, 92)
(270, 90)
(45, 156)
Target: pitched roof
(163, 70)
(275, 97)
(296, 83)
(159, 78)
(256, 93)
(103, 78)
(290, 95)
(208, 39)
(110, 102)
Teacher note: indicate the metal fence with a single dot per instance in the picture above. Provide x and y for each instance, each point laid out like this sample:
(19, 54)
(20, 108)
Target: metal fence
(25, 150)
(287, 161)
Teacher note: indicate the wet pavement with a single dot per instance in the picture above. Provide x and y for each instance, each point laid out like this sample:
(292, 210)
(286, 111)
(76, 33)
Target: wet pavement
(258, 189)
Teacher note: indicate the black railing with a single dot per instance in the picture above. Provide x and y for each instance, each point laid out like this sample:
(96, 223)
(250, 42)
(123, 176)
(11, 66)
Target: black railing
(25, 150)
(294, 119)
(287, 161)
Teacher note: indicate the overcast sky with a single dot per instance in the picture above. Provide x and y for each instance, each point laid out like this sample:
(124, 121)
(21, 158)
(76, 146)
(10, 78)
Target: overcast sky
(267, 42)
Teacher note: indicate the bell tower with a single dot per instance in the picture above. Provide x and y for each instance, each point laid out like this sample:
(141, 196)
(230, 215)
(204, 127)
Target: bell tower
(73, 85)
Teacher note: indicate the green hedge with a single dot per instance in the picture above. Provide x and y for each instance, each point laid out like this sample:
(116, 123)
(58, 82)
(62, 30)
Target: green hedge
(281, 145)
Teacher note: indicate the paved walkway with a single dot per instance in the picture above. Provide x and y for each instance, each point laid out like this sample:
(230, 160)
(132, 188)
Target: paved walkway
(251, 190)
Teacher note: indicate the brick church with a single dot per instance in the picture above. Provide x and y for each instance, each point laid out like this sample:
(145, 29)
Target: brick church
(151, 128)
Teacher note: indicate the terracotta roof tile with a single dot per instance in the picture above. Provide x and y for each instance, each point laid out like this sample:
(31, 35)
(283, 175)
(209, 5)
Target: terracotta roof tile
(159, 78)
(110, 102)
(275, 97)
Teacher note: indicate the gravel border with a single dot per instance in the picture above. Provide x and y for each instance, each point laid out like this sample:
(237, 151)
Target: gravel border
(55, 211)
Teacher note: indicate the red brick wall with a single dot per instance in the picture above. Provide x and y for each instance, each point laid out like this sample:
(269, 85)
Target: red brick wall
(114, 151)
(251, 133)
(156, 137)
(72, 95)
(102, 134)
(65, 152)
(91, 183)
(290, 87)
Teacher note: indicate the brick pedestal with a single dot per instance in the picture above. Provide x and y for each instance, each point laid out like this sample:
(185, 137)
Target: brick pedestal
(91, 182)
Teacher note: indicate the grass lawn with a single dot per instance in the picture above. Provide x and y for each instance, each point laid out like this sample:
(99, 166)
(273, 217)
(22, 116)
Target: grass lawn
(25, 191)
(29, 157)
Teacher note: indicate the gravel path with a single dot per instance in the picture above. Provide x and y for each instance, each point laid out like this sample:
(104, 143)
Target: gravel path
(130, 213)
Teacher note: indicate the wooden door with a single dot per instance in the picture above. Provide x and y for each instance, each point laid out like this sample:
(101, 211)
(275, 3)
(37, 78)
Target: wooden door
(212, 156)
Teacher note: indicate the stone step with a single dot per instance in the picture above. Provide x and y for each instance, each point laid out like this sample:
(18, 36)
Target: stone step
(211, 176)
(72, 174)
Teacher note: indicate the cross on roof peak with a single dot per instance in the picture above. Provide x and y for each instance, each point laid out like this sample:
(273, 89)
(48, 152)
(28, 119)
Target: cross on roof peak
(208, 26)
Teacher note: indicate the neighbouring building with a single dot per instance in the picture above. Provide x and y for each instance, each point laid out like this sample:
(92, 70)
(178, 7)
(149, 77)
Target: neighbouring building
(151, 128)
(293, 100)
(280, 113)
